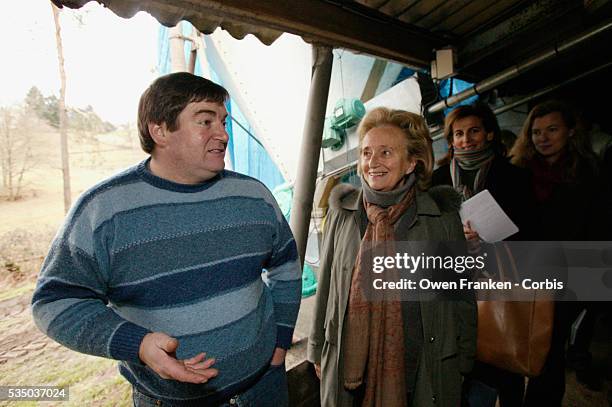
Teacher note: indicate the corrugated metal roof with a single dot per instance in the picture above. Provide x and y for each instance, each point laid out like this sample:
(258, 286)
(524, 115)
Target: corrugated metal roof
(206, 16)
(338, 24)
(488, 35)
(455, 18)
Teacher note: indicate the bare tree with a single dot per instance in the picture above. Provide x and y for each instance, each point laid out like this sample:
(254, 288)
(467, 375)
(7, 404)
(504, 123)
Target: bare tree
(63, 124)
(15, 150)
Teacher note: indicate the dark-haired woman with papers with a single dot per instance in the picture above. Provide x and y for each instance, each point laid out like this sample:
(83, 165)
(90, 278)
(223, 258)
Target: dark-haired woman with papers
(476, 161)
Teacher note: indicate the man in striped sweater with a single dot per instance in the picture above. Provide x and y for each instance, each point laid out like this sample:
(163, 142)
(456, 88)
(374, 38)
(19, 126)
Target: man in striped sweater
(185, 273)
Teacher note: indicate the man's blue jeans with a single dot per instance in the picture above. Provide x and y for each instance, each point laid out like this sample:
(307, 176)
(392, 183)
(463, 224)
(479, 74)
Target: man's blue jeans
(269, 391)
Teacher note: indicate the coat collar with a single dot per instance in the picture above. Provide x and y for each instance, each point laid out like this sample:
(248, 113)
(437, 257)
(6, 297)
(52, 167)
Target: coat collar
(349, 197)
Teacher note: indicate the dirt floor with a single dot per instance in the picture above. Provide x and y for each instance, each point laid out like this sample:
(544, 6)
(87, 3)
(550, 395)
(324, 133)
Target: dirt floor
(27, 357)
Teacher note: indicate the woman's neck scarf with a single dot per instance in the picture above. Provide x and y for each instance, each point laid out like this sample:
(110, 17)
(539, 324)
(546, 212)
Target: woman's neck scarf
(384, 199)
(470, 160)
(374, 335)
(546, 177)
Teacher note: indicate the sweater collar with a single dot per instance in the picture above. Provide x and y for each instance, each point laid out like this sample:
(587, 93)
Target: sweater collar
(147, 176)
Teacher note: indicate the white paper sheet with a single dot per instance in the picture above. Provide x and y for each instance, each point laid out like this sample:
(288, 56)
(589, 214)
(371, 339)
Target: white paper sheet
(487, 217)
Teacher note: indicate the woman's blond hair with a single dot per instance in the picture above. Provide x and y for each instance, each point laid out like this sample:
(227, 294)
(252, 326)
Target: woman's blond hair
(416, 135)
(579, 150)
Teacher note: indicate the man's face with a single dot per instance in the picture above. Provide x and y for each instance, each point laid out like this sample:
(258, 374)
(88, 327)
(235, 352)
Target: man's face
(195, 151)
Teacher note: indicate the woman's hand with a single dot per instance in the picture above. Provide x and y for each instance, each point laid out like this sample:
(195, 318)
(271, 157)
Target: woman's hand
(472, 237)
(317, 367)
(470, 234)
(278, 358)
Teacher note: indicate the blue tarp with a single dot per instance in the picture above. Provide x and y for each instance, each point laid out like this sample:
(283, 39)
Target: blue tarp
(446, 88)
(452, 86)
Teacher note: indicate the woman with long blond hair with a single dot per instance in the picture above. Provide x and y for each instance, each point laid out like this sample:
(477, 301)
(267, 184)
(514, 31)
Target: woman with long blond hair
(572, 204)
(554, 147)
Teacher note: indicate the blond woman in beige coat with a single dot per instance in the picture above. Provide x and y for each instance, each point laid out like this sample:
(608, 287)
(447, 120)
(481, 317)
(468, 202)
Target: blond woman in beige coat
(447, 329)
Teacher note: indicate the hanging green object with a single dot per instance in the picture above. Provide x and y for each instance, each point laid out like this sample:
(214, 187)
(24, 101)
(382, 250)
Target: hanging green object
(347, 113)
(309, 282)
(332, 137)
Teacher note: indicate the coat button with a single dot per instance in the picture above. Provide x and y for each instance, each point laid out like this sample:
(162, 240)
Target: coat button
(432, 339)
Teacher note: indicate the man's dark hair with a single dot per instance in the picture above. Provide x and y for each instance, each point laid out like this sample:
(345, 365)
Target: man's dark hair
(166, 98)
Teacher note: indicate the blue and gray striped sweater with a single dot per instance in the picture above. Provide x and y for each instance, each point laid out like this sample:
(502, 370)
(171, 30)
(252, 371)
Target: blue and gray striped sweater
(214, 265)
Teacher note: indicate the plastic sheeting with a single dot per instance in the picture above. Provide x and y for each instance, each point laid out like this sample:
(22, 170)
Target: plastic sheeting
(452, 86)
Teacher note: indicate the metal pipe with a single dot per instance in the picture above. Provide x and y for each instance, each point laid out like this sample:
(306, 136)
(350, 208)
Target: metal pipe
(308, 163)
(583, 37)
(193, 55)
(548, 89)
(502, 109)
(518, 69)
(177, 49)
(437, 135)
(340, 170)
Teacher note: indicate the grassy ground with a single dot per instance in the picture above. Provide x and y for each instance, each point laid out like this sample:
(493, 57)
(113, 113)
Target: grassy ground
(28, 225)
(27, 357)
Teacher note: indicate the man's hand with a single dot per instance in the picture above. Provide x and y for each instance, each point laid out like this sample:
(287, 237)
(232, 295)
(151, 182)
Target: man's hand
(158, 351)
(318, 370)
(278, 357)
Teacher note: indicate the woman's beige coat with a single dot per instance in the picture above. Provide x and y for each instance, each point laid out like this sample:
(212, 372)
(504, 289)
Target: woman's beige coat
(449, 328)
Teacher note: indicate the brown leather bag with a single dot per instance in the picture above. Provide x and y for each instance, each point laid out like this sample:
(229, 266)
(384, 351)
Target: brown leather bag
(515, 335)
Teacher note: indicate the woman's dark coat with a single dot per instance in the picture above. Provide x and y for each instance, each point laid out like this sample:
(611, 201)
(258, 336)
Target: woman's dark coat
(511, 188)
